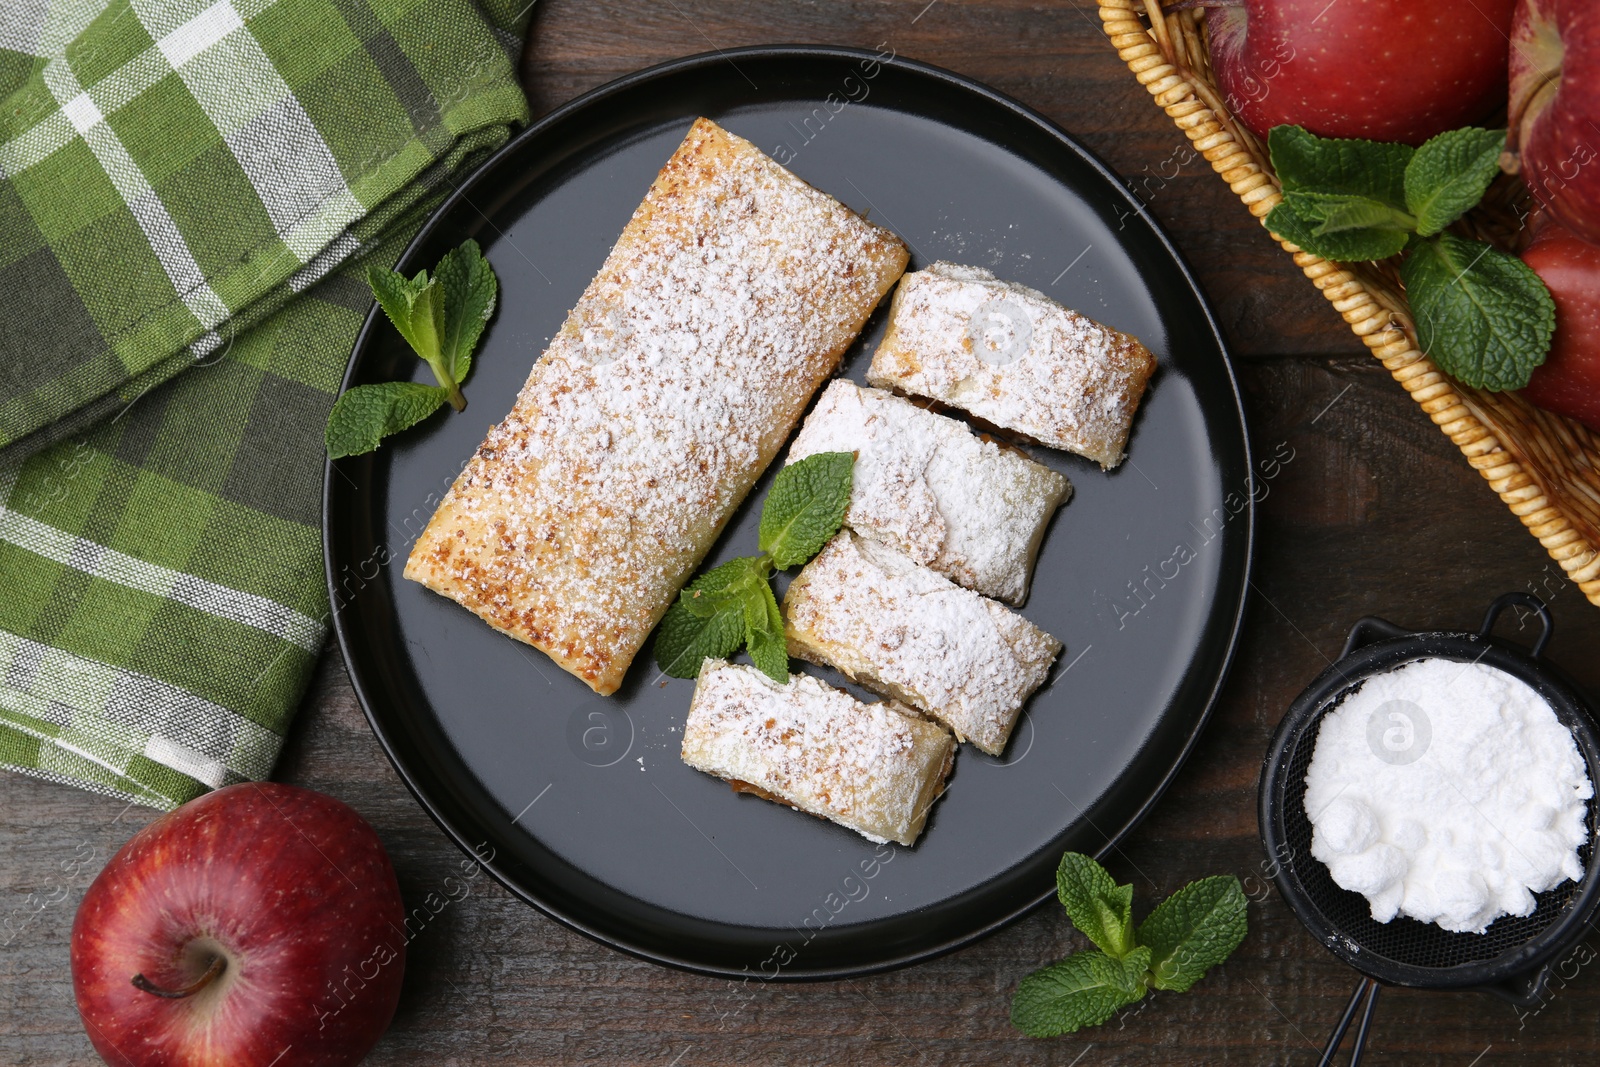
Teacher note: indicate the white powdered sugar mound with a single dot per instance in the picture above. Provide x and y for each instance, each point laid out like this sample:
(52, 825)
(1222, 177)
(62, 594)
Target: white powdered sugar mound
(1447, 792)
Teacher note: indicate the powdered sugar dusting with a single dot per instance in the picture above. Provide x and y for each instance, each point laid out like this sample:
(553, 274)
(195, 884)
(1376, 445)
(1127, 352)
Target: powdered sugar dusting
(1015, 358)
(928, 486)
(728, 299)
(1448, 792)
(874, 768)
(907, 632)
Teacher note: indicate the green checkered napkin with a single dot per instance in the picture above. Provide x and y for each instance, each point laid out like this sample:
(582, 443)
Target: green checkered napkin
(195, 186)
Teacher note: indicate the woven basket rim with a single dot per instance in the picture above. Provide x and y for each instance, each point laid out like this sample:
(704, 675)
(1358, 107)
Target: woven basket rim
(1543, 466)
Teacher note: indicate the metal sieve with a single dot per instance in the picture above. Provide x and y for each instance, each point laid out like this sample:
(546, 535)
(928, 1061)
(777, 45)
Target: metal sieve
(1512, 959)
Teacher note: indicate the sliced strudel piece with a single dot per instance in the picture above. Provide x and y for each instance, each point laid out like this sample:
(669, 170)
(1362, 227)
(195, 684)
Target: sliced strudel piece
(925, 484)
(726, 302)
(1014, 358)
(901, 630)
(875, 768)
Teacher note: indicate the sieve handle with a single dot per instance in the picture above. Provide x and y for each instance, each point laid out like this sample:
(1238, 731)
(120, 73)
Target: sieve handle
(1370, 629)
(1365, 998)
(1527, 600)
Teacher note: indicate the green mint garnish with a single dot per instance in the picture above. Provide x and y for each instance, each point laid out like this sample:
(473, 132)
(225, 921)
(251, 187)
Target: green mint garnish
(1481, 315)
(1193, 930)
(366, 414)
(1449, 175)
(805, 507)
(1096, 904)
(1293, 220)
(1085, 989)
(1187, 934)
(733, 605)
(708, 619)
(764, 639)
(441, 318)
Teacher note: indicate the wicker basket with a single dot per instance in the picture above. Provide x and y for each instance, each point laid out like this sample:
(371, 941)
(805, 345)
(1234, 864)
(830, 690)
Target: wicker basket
(1545, 467)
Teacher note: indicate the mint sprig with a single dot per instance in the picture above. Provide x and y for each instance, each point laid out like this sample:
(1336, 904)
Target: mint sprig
(441, 318)
(1483, 317)
(732, 605)
(1186, 935)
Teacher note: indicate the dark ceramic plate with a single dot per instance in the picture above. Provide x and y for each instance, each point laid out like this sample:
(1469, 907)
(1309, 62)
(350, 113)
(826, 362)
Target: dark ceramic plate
(579, 803)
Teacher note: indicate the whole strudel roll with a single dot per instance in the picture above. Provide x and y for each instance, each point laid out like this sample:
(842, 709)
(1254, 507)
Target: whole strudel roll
(729, 298)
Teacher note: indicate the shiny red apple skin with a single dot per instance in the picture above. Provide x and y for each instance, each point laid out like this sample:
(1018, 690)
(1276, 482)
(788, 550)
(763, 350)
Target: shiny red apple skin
(295, 891)
(1568, 382)
(1555, 108)
(1386, 70)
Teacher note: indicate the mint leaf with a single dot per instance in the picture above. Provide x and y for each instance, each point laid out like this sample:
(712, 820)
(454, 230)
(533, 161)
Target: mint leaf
(725, 587)
(1450, 174)
(764, 638)
(805, 507)
(1337, 213)
(365, 414)
(708, 618)
(1096, 904)
(469, 287)
(1342, 200)
(1307, 163)
(1084, 989)
(1193, 930)
(1291, 222)
(1482, 315)
(415, 306)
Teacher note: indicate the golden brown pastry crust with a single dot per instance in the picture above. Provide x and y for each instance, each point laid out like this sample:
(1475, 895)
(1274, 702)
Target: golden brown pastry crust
(875, 768)
(1014, 358)
(729, 298)
(913, 635)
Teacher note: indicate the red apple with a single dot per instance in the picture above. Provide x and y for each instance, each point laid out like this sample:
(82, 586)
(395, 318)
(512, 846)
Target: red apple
(1568, 382)
(1387, 70)
(257, 925)
(1555, 108)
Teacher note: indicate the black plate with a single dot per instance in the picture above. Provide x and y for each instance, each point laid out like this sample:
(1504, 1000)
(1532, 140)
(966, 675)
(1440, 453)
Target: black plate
(579, 803)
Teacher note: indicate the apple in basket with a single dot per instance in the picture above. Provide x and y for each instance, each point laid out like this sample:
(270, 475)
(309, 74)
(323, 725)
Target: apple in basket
(259, 924)
(1387, 70)
(1555, 108)
(1569, 380)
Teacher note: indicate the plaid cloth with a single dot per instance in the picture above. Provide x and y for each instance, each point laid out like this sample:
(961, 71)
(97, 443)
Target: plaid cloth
(196, 186)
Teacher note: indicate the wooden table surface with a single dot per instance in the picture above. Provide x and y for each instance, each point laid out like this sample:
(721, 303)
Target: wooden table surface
(1377, 514)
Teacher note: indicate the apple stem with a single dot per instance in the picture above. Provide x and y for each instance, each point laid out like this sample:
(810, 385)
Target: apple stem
(218, 964)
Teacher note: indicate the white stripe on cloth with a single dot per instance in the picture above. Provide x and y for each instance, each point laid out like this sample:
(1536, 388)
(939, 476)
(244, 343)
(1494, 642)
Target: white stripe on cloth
(339, 249)
(37, 143)
(111, 93)
(108, 714)
(65, 20)
(119, 88)
(187, 760)
(67, 777)
(278, 147)
(98, 561)
(21, 25)
(160, 231)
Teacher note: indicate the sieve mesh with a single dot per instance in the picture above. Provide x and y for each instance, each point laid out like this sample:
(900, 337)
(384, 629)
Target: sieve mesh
(1403, 940)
